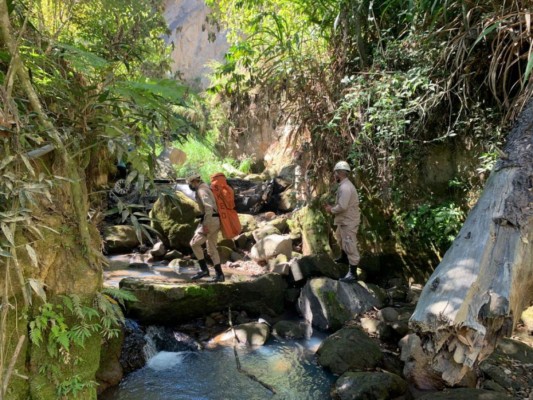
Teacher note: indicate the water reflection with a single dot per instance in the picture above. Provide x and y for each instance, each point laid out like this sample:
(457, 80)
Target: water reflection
(288, 366)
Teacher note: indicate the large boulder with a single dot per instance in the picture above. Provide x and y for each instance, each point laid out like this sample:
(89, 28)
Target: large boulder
(287, 201)
(169, 304)
(290, 329)
(349, 349)
(369, 386)
(328, 304)
(120, 239)
(175, 220)
(313, 226)
(270, 246)
(314, 265)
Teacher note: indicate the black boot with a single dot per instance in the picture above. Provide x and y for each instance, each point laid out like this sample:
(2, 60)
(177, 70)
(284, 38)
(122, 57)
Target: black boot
(351, 276)
(204, 271)
(343, 259)
(219, 277)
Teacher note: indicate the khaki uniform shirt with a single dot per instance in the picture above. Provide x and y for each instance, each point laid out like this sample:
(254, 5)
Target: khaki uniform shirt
(207, 203)
(346, 209)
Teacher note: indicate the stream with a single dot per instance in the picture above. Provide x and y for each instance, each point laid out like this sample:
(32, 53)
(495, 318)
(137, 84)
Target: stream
(288, 366)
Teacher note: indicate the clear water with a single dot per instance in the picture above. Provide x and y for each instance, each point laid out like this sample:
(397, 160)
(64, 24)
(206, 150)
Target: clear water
(287, 366)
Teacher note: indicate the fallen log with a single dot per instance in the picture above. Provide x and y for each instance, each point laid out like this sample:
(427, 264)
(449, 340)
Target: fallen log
(484, 281)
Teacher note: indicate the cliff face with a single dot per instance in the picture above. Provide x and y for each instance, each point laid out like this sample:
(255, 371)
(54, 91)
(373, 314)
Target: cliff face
(195, 42)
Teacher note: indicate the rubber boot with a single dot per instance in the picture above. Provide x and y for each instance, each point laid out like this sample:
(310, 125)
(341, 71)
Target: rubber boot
(204, 271)
(343, 259)
(351, 276)
(219, 277)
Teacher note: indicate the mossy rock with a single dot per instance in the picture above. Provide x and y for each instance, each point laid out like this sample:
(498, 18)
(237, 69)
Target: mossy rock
(248, 222)
(120, 239)
(349, 349)
(314, 227)
(369, 385)
(169, 304)
(175, 220)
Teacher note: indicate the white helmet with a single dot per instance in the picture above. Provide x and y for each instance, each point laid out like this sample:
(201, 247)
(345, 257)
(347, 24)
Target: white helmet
(342, 166)
(192, 175)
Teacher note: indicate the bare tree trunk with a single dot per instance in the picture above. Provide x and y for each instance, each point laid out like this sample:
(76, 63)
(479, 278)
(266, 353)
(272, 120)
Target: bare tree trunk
(478, 291)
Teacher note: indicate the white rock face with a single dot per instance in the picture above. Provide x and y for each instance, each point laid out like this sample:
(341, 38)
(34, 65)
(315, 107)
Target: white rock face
(270, 246)
(189, 34)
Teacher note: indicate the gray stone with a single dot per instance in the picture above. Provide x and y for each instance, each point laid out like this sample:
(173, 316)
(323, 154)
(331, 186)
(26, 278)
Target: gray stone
(290, 329)
(388, 314)
(328, 304)
(264, 231)
(224, 253)
(158, 250)
(244, 241)
(465, 394)
(236, 256)
(401, 327)
(287, 201)
(270, 247)
(139, 261)
(369, 386)
(349, 349)
(378, 293)
(178, 263)
(317, 265)
(120, 238)
(172, 255)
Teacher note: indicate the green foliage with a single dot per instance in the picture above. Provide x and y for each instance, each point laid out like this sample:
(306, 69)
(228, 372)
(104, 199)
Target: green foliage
(437, 225)
(245, 165)
(203, 158)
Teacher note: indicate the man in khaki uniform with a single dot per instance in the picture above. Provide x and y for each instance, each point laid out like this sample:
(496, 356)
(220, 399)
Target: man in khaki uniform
(208, 228)
(347, 219)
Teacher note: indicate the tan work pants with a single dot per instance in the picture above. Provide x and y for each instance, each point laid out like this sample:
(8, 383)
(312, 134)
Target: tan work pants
(347, 238)
(200, 238)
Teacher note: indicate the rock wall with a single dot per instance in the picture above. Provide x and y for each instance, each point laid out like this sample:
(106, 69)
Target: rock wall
(195, 42)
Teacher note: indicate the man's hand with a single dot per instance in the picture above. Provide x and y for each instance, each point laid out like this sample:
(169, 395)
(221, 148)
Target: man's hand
(205, 229)
(328, 208)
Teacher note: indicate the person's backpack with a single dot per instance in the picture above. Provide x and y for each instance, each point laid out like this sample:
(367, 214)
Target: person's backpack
(225, 198)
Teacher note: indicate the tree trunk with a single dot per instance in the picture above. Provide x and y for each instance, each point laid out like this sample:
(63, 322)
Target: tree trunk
(478, 291)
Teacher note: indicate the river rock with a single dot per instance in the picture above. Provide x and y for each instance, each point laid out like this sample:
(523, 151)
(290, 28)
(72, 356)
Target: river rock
(287, 201)
(328, 304)
(316, 265)
(264, 231)
(110, 372)
(388, 314)
(249, 334)
(379, 294)
(465, 394)
(167, 339)
(175, 220)
(158, 250)
(349, 349)
(132, 356)
(280, 224)
(172, 255)
(244, 241)
(271, 246)
(120, 239)
(248, 222)
(138, 260)
(168, 304)
(527, 318)
(369, 386)
(290, 329)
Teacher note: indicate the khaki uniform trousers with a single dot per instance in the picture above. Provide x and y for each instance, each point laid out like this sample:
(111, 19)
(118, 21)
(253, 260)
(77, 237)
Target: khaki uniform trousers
(200, 238)
(347, 238)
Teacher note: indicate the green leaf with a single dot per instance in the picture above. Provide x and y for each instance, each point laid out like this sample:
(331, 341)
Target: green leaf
(485, 32)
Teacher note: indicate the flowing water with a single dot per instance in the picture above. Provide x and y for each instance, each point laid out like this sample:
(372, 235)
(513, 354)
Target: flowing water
(288, 366)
